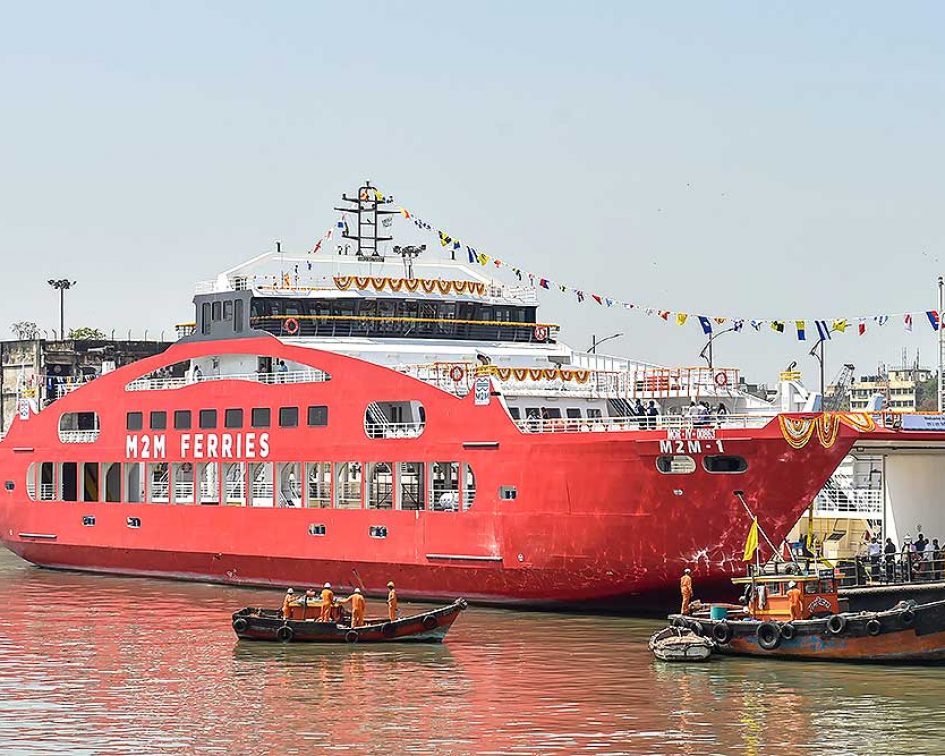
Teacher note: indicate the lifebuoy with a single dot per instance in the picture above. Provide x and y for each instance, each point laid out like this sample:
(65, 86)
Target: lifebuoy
(387, 630)
(240, 624)
(351, 636)
(430, 622)
(874, 627)
(541, 332)
(457, 373)
(721, 379)
(907, 618)
(787, 631)
(836, 624)
(768, 635)
(722, 632)
(285, 633)
(291, 326)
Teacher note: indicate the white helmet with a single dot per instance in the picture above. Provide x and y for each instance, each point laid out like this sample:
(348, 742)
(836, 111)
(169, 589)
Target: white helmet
(328, 585)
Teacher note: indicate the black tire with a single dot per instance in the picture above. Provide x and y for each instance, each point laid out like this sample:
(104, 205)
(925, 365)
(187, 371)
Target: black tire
(680, 622)
(240, 624)
(351, 636)
(907, 618)
(768, 635)
(696, 627)
(722, 632)
(788, 631)
(387, 630)
(874, 627)
(430, 622)
(285, 633)
(836, 624)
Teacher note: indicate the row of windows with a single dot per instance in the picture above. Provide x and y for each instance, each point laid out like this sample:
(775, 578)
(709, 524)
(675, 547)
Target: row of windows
(228, 310)
(374, 531)
(260, 417)
(554, 413)
(712, 463)
(437, 486)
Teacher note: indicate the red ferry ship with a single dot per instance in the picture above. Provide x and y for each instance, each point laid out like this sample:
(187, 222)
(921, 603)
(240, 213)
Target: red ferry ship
(399, 419)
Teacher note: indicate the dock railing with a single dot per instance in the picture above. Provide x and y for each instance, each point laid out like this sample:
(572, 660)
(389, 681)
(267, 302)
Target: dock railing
(896, 568)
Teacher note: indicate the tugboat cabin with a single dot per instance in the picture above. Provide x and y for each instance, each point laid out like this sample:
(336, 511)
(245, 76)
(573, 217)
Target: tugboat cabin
(767, 596)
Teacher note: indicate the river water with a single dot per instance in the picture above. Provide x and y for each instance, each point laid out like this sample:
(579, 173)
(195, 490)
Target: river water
(111, 665)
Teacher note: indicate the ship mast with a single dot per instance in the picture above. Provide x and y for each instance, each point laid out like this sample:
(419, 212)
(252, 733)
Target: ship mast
(368, 207)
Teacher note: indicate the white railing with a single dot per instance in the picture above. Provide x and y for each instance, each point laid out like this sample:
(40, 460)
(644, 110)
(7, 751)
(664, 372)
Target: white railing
(78, 436)
(159, 490)
(290, 376)
(849, 500)
(234, 489)
(183, 491)
(47, 492)
(660, 422)
(394, 430)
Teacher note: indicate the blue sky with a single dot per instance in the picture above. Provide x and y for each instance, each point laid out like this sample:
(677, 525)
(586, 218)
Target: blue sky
(763, 160)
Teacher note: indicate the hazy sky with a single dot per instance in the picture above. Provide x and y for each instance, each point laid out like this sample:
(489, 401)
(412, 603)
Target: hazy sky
(756, 159)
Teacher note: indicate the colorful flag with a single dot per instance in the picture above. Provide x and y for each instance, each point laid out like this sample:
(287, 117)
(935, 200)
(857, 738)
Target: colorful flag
(706, 324)
(404, 212)
(720, 321)
(777, 325)
(681, 318)
(881, 319)
(934, 319)
(751, 543)
(840, 324)
(756, 324)
(484, 260)
(664, 314)
(907, 321)
(378, 197)
(822, 330)
(543, 283)
(861, 327)
(596, 298)
(580, 295)
(737, 325)
(444, 239)
(473, 257)
(800, 325)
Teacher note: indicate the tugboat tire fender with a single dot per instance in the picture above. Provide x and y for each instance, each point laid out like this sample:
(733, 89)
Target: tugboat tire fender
(430, 622)
(722, 632)
(679, 622)
(769, 635)
(788, 631)
(874, 627)
(696, 627)
(907, 618)
(836, 624)
(240, 624)
(285, 633)
(351, 636)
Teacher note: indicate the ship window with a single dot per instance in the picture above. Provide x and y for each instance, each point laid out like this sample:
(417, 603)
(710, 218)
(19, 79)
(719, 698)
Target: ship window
(234, 484)
(318, 416)
(208, 480)
(394, 419)
(508, 493)
(159, 420)
(676, 465)
(515, 413)
(380, 485)
(289, 417)
(208, 418)
(574, 413)
(111, 475)
(445, 486)
(316, 530)
(260, 481)
(260, 417)
(238, 316)
(31, 481)
(377, 531)
(158, 483)
(134, 421)
(47, 490)
(134, 522)
(205, 318)
(593, 413)
(718, 463)
(182, 419)
(348, 485)
(68, 473)
(551, 413)
(9, 485)
(216, 311)
(233, 418)
(183, 475)
(134, 482)
(319, 484)
(88, 520)
(412, 485)
(228, 310)
(78, 427)
(469, 492)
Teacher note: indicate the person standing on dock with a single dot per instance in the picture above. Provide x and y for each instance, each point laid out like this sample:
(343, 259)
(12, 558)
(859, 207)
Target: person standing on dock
(289, 598)
(873, 551)
(890, 551)
(328, 599)
(795, 603)
(391, 601)
(357, 607)
(685, 588)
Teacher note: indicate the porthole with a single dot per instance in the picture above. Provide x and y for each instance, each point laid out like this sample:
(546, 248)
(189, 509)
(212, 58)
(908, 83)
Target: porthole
(88, 520)
(134, 522)
(378, 531)
(508, 493)
(724, 463)
(316, 530)
(679, 464)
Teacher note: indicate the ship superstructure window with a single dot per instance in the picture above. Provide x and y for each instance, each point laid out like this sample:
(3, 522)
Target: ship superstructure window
(31, 481)
(183, 475)
(394, 419)
(134, 482)
(288, 475)
(238, 316)
(111, 477)
(68, 490)
(233, 418)
(159, 485)
(413, 485)
(208, 482)
(208, 418)
(444, 486)
(724, 463)
(255, 368)
(134, 421)
(469, 493)
(319, 484)
(515, 413)
(288, 417)
(182, 420)
(158, 420)
(348, 480)
(574, 413)
(260, 481)
(47, 488)
(78, 427)
(234, 484)
(380, 485)
(90, 481)
(261, 417)
(679, 464)
(318, 416)
(205, 318)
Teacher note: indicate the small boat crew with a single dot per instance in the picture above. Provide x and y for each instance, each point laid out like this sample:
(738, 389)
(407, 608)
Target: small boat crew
(357, 607)
(328, 600)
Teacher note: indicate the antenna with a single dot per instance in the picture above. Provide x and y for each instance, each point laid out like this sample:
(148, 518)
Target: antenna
(368, 206)
(408, 254)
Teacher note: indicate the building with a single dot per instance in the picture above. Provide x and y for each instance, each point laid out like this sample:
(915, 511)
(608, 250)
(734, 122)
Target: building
(897, 386)
(42, 371)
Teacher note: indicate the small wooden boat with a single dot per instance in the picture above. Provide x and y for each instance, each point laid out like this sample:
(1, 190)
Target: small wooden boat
(680, 644)
(268, 625)
(906, 632)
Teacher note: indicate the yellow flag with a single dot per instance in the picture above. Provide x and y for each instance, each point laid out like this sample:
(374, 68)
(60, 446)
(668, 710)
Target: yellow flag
(840, 325)
(751, 543)
(681, 318)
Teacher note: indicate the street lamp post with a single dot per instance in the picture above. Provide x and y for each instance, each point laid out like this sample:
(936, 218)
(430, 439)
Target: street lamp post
(706, 352)
(818, 354)
(62, 284)
(595, 343)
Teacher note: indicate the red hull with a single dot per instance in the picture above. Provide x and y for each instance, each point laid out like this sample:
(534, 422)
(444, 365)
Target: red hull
(594, 522)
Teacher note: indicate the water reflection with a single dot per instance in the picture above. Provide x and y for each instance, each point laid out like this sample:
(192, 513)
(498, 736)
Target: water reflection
(93, 664)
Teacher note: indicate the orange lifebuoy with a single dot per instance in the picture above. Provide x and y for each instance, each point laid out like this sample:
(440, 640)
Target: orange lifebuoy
(291, 326)
(721, 379)
(541, 332)
(457, 373)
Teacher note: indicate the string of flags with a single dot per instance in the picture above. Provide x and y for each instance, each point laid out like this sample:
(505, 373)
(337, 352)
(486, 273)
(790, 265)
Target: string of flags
(802, 328)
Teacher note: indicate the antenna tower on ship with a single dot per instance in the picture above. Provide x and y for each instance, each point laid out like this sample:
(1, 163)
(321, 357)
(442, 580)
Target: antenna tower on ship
(368, 206)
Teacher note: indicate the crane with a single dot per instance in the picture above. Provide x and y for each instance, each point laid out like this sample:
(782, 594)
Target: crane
(841, 387)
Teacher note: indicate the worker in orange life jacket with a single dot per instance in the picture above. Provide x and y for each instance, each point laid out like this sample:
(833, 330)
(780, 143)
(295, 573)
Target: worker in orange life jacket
(357, 607)
(328, 598)
(391, 601)
(289, 598)
(794, 601)
(685, 588)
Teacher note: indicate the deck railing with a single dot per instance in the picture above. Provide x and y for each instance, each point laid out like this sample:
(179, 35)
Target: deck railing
(291, 376)
(78, 436)
(849, 500)
(659, 422)
(892, 569)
